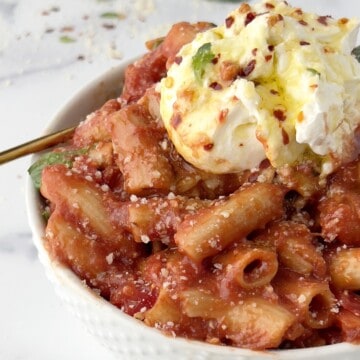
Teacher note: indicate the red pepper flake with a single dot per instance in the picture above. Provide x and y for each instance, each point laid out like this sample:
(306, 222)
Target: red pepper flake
(264, 164)
(269, 6)
(323, 20)
(279, 114)
(285, 137)
(254, 51)
(303, 22)
(299, 12)
(274, 19)
(268, 58)
(178, 60)
(271, 48)
(248, 69)
(215, 60)
(304, 43)
(208, 147)
(223, 115)
(229, 21)
(175, 120)
(274, 92)
(215, 85)
(249, 18)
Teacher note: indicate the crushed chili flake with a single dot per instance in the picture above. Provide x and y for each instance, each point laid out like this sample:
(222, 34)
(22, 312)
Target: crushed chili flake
(208, 147)
(178, 60)
(215, 85)
(215, 60)
(274, 92)
(268, 58)
(271, 47)
(264, 164)
(279, 114)
(176, 120)
(249, 18)
(323, 20)
(285, 137)
(223, 115)
(269, 6)
(229, 21)
(274, 19)
(303, 22)
(304, 43)
(254, 51)
(248, 69)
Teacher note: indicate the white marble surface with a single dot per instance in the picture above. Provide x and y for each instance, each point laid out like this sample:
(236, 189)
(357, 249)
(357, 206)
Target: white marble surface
(38, 74)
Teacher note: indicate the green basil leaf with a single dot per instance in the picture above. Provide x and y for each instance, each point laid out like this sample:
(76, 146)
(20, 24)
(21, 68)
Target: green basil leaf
(203, 56)
(52, 158)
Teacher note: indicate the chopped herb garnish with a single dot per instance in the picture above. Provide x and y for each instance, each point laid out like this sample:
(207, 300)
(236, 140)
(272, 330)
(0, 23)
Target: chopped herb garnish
(66, 39)
(52, 158)
(313, 71)
(203, 56)
(356, 52)
(112, 15)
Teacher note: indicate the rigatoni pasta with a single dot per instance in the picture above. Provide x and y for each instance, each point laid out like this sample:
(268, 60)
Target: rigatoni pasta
(213, 229)
(250, 266)
(264, 258)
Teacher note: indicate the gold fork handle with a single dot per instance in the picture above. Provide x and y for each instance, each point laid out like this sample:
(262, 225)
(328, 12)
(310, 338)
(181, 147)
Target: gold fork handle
(36, 145)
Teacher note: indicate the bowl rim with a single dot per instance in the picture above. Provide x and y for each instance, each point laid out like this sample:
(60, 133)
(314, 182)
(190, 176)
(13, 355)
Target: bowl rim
(60, 275)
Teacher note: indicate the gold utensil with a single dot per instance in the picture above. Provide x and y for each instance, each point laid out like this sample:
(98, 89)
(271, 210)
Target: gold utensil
(36, 145)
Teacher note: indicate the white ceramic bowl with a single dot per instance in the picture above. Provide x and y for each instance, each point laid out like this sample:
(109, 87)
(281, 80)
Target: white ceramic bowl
(124, 335)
